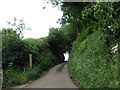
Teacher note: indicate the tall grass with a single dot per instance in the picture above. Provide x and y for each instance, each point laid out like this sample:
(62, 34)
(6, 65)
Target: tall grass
(16, 77)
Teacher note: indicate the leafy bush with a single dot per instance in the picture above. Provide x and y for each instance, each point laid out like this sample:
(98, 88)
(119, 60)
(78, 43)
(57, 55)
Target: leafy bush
(14, 50)
(91, 63)
(57, 43)
(17, 77)
(15, 58)
(17, 73)
(41, 54)
(47, 59)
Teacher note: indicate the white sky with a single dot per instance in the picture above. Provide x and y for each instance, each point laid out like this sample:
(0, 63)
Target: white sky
(31, 11)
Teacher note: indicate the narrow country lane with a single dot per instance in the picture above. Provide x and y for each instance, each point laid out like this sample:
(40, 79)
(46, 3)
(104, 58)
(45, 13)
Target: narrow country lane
(57, 77)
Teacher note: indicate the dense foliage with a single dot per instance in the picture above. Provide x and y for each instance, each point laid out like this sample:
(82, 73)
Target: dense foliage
(91, 65)
(13, 48)
(93, 61)
(16, 52)
(92, 38)
(57, 43)
(89, 32)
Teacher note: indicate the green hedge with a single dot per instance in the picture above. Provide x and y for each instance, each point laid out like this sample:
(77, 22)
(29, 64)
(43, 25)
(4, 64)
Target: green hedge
(16, 58)
(93, 64)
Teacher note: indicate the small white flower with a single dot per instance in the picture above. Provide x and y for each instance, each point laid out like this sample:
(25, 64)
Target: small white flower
(115, 48)
(117, 82)
(111, 29)
(109, 26)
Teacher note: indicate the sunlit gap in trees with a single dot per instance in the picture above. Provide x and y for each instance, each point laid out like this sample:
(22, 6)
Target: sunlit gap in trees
(66, 55)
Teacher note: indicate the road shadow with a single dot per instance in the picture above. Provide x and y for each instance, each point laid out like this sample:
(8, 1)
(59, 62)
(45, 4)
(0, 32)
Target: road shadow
(61, 67)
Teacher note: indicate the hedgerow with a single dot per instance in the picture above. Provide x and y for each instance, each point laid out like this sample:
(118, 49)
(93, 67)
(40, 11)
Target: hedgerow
(89, 63)
(93, 61)
(16, 58)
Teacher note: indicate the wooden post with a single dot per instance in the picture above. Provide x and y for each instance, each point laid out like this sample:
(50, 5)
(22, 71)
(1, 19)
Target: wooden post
(30, 60)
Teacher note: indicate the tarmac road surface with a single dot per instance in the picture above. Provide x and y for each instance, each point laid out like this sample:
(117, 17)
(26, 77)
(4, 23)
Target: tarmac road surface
(57, 77)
